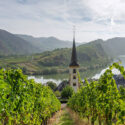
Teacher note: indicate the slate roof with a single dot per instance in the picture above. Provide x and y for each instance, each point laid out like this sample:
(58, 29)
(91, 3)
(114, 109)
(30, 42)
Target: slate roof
(74, 54)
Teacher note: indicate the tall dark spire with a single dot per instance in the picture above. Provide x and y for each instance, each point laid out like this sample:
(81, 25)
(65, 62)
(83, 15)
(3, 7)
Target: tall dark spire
(74, 54)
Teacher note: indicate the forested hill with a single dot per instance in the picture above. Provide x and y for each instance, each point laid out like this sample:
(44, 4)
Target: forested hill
(13, 45)
(87, 53)
(115, 46)
(46, 43)
(91, 56)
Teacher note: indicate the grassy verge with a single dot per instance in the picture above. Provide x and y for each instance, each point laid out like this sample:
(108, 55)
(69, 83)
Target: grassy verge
(66, 119)
(63, 117)
(77, 119)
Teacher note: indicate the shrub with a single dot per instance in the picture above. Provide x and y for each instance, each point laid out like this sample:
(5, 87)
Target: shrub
(67, 92)
(52, 85)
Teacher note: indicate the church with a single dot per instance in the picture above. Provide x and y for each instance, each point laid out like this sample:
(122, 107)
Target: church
(74, 68)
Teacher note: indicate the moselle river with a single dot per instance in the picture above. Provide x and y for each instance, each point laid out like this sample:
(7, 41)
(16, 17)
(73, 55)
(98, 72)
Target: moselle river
(57, 78)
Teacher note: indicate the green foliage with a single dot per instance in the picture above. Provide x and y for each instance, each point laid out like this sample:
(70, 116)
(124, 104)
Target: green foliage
(122, 92)
(12, 45)
(52, 85)
(67, 92)
(57, 93)
(91, 56)
(90, 53)
(101, 100)
(23, 101)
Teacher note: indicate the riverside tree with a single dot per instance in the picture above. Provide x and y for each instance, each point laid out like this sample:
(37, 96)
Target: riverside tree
(67, 92)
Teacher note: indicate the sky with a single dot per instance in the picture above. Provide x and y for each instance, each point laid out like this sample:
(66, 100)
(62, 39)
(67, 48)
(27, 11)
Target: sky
(93, 19)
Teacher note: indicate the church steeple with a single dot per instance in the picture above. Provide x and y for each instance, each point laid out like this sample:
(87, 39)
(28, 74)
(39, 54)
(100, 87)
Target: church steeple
(74, 54)
(74, 67)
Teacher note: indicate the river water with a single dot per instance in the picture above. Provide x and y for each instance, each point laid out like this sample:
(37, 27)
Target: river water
(57, 78)
(42, 79)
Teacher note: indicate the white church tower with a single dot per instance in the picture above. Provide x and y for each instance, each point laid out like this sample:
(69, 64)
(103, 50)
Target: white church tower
(74, 67)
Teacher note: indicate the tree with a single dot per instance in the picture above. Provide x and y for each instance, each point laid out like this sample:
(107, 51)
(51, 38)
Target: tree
(52, 85)
(67, 92)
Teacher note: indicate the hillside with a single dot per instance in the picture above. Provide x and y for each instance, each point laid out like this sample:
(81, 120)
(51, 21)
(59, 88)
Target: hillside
(46, 43)
(11, 45)
(15, 44)
(91, 57)
(87, 53)
(112, 47)
(115, 46)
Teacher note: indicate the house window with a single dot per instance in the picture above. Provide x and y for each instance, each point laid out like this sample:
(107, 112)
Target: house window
(74, 70)
(74, 77)
(74, 84)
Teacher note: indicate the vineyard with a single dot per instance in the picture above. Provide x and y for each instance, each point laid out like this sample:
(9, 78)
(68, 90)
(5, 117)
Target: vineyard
(23, 101)
(101, 102)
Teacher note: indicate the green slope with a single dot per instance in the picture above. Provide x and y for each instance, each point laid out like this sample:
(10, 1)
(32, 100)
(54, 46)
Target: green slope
(115, 46)
(13, 45)
(46, 43)
(87, 54)
(91, 56)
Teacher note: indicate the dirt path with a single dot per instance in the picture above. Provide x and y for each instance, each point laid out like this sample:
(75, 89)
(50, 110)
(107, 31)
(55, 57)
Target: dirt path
(66, 117)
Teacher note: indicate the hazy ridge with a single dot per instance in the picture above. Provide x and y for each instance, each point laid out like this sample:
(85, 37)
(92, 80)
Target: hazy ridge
(17, 44)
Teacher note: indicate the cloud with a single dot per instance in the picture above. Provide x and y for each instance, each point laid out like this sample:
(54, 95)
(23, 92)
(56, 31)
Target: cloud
(93, 18)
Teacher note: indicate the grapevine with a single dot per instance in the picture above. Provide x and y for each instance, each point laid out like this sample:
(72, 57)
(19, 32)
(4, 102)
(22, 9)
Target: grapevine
(101, 100)
(23, 101)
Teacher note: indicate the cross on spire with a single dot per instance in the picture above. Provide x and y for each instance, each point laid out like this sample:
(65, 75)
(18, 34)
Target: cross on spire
(74, 28)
